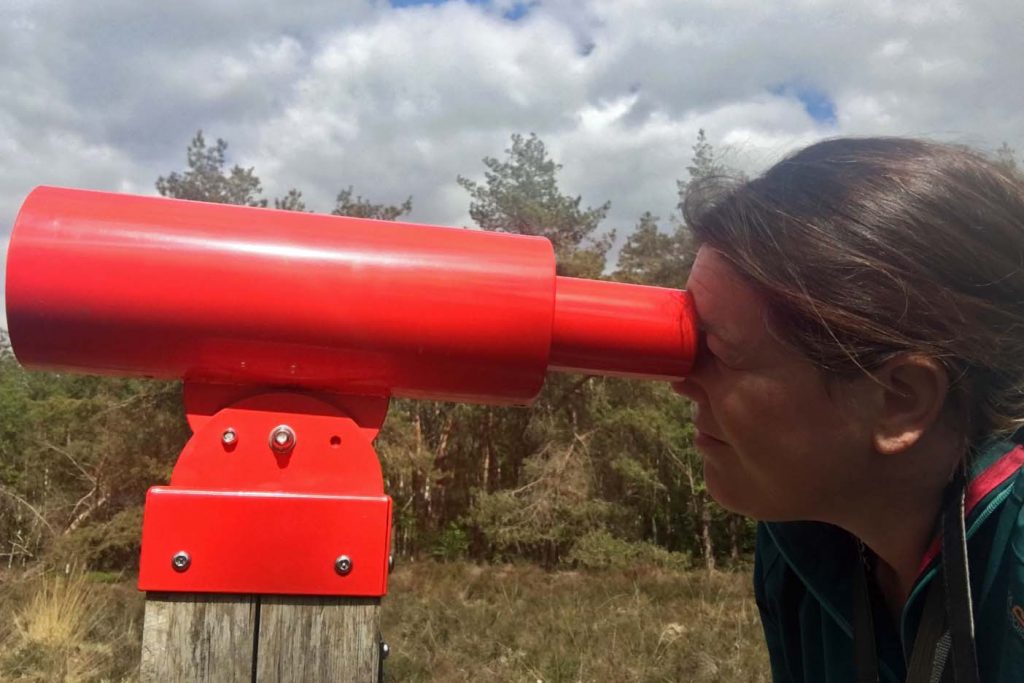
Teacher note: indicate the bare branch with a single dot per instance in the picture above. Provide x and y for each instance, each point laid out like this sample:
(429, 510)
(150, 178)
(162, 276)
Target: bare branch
(28, 505)
(62, 451)
(86, 513)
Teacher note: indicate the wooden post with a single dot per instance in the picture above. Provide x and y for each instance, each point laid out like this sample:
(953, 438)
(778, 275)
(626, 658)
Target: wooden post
(243, 638)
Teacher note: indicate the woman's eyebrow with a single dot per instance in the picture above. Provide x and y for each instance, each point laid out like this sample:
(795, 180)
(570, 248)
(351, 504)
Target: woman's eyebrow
(703, 326)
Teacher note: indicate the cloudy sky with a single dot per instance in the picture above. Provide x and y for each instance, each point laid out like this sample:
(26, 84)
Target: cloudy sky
(398, 98)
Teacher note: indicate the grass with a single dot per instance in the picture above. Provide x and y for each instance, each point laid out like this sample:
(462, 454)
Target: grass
(462, 622)
(67, 628)
(444, 622)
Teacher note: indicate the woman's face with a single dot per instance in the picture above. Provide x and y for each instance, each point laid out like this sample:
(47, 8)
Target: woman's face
(776, 445)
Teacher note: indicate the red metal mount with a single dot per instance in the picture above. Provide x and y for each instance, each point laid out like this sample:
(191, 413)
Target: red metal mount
(276, 492)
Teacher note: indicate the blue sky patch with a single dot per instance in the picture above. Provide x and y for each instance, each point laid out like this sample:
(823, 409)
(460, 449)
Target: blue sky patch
(516, 12)
(416, 3)
(816, 102)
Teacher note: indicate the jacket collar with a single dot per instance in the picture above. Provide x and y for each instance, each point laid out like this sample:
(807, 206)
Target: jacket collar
(824, 556)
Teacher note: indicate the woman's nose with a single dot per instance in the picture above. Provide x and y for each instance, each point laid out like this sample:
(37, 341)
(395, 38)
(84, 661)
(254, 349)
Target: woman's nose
(691, 386)
(687, 388)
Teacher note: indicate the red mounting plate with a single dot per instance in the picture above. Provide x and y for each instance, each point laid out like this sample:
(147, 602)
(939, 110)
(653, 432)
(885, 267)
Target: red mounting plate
(252, 520)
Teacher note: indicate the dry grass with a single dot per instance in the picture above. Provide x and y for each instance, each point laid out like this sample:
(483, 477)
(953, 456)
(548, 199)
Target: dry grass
(67, 628)
(461, 622)
(445, 622)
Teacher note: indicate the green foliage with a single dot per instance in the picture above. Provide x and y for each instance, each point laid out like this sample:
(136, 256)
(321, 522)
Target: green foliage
(357, 207)
(652, 257)
(520, 194)
(702, 166)
(290, 202)
(601, 550)
(77, 451)
(542, 518)
(108, 546)
(206, 179)
(452, 543)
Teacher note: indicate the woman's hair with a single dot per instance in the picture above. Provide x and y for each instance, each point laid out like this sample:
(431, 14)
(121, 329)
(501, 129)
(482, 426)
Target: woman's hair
(866, 248)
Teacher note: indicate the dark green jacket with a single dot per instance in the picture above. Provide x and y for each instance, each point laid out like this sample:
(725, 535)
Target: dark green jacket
(804, 571)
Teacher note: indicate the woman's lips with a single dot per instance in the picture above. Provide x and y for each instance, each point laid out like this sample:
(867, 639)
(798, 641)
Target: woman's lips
(706, 438)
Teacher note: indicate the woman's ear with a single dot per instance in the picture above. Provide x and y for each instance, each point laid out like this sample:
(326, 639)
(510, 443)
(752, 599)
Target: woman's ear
(912, 392)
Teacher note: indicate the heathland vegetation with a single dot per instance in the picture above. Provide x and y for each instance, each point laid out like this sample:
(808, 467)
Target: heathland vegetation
(570, 541)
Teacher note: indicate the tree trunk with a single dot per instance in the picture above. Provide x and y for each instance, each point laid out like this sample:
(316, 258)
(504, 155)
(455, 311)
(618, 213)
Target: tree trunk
(735, 529)
(701, 514)
(707, 547)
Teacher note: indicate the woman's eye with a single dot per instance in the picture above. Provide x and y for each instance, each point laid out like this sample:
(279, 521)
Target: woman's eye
(706, 351)
(724, 360)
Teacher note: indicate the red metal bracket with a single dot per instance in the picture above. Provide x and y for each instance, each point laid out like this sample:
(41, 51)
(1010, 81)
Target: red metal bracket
(276, 492)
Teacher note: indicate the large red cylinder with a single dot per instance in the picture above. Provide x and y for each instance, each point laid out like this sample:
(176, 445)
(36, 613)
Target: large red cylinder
(148, 286)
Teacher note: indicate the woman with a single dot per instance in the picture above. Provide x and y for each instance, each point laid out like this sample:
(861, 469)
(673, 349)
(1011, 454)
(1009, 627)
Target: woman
(859, 386)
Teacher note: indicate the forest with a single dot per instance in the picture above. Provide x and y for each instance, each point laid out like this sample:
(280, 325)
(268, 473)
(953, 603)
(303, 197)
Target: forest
(597, 472)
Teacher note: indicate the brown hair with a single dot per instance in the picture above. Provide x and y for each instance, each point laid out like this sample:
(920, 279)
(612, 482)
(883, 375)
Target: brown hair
(866, 248)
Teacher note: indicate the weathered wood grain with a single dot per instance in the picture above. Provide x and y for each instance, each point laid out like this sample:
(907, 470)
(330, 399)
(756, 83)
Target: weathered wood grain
(198, 637)
(318, 639)
(209, 637)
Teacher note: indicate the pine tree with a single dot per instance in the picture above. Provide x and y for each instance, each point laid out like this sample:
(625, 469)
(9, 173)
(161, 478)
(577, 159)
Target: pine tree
(357, 207)
(520, 194)
(207, 180)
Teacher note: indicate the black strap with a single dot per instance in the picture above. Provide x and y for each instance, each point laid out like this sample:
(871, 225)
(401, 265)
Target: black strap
(864, 646)
(957, 583)
(947, 621)
(931, 645)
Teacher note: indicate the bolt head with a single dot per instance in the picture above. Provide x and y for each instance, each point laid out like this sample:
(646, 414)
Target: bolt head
(282, 439)
(181, 561)
(229, 437)
(385, 650)
(343, 565)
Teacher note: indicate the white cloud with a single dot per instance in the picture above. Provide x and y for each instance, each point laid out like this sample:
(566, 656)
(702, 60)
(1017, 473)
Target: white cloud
(325, 94)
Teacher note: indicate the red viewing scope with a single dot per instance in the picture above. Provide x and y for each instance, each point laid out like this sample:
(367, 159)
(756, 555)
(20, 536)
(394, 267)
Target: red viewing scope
(291, 332)
(147, 286)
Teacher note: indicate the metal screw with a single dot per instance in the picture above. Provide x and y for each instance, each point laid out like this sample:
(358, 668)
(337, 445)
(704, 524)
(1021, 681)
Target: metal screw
(181, 561)
(229, 437)
(343, 565)
(282, 439)
(385, 650)
(391, 563)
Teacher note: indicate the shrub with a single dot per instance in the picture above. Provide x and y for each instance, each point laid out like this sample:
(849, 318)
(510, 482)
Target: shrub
(104, 546)
(600, 550)
(452, 543)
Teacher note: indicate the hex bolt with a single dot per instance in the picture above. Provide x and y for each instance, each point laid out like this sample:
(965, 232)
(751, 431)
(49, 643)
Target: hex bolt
(229, 437)
(181, 561)
(385, 650)
(343, 565)
(282, 439)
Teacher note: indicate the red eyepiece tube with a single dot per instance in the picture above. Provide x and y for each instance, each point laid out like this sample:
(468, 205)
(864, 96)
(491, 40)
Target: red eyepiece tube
(147, 286)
